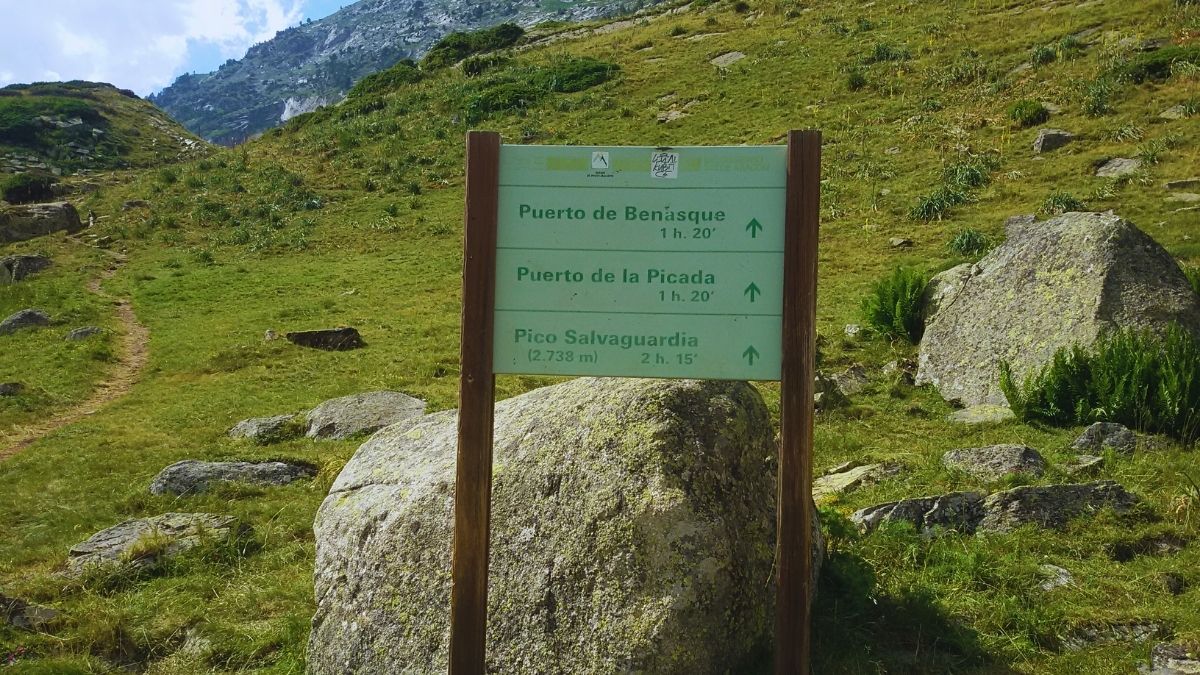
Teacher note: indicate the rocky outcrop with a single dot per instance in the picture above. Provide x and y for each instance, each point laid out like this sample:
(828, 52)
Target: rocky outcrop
(1106, 436)
(1062, 282)
(143, 542)
(995, 462)
(192, 476)
(26, 318)
(348, 416)
(1173, 659)
(632, 531)
(16, 268)
(1118, 167)
(19, 223)
(1051, 139)
(959, 511)
(847, 478)
(266, 430)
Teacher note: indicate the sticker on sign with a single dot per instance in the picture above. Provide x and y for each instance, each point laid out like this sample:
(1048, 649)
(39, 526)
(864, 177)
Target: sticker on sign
(664, 263)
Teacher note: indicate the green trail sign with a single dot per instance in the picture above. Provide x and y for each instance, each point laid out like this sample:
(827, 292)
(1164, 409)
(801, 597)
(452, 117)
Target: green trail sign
(639, 261)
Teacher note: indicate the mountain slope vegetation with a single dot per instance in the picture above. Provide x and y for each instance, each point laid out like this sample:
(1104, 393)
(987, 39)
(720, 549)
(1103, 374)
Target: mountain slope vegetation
(352, 216)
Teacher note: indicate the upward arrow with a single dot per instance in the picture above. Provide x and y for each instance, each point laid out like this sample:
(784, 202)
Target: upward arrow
(754, 228)
(753, 291)
(750, 354)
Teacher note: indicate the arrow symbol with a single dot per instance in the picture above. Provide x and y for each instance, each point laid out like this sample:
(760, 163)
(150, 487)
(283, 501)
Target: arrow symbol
(753, 291)
(750, 354)
(754, 228)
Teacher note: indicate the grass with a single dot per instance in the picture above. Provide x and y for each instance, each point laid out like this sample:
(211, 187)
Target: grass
(388, 262)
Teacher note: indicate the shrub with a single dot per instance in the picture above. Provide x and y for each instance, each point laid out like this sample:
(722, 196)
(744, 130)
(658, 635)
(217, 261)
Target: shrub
(970, 173)
(885, 52)
(966, 68)
(1042, 55)
(855, 79)
(1143, 380)
(893, 307)
(575, 74)
(1158, 65)
(386, 81)
(478, 65)
(1027, 113)
(1097, 97)
(1061, 202)
(459, 45)
(27, 188)
(937, 204)
(501, 97)
(970, 243)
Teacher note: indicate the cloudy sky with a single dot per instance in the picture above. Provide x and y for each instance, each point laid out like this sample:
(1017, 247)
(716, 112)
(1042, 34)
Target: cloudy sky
(137, 44)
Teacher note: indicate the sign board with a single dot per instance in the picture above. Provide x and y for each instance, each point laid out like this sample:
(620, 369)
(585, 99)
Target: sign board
(645, 262)
(642, 262)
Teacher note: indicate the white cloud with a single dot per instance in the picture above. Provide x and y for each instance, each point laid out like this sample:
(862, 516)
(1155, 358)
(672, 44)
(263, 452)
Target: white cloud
(137, 44)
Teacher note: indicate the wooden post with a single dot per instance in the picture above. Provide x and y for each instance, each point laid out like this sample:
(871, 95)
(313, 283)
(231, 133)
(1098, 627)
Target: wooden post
(793, 614)
(473, 484)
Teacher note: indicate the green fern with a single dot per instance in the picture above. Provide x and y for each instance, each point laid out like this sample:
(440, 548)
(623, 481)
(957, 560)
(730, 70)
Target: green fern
(893, 307)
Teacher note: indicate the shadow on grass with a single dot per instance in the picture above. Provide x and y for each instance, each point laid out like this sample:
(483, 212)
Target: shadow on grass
(856, 631)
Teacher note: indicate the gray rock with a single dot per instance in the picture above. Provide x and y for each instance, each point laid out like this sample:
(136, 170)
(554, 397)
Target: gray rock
(1106, 436)
(1085, 464)
(632, 531)
(11, 388)
(944, 287)
(900, 242)
(16, 268)
(193, 477)
(1051, 139)
(1120, 166)
(26, 318)
(81, 334)
(266, 429)
(1066, 281)
(1051, 505)
(1184, 184)
(982, 414)
(24, 616)
(1173, 659)
(995, 462)
(332, 340)
(959, 511)
(852, 381)
(1090, 635)
(1176, 112)
(853, 330)
(29, 221)
(344, 417)
(1054, 577)
(847, 478)
(727, 59)
(143, 542)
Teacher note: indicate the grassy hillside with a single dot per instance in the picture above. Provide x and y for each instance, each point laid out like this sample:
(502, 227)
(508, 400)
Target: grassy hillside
(77, 126)
(352, 216)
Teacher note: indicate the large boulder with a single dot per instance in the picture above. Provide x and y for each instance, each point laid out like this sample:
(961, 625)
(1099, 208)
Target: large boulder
(632, 531)
(341, 418)
(191, 476)
(1066, 281)
(18, 223)
(26, 318)
(16, 268)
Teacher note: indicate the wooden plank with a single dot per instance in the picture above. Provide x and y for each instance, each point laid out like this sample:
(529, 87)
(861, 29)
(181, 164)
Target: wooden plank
(473, 484)
(794, 527)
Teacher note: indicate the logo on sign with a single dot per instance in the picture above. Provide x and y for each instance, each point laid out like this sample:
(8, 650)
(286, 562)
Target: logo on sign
(600, 161)
(664, 165)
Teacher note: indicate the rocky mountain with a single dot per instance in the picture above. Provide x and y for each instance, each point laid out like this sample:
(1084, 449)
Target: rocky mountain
(63, 127)
(315, 64)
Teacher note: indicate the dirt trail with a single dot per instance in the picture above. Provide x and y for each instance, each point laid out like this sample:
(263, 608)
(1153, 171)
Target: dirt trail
(132, 353)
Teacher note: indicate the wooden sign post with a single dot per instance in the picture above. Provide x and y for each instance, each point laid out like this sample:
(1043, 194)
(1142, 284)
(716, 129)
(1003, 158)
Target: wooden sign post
(567, 249)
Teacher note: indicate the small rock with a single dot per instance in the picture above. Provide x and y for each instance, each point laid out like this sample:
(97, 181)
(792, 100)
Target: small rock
(1173, 659)
(1154, 545)
(852, 381)
(853, 330)
(142, 542)
(265, 429)
(995, 462)
(1085, 464)
(958, 511)
(341, 418)
(1185, 184)
(892, 151)
(908, 366)
(900, 242)
(81, 334)
(1121, 166)
(193, 477)
(1177, 112)
(26, 318)
(1089, 635)
(1052, 505)
(334, 340)
(727, 59)
(11, 388)
(1173, 583)
(24, 616)
(1106, 436)
(1055, 577)
(982, 414)
(1051, 139)
(270, 336)
(847, 479)
(16, 268)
